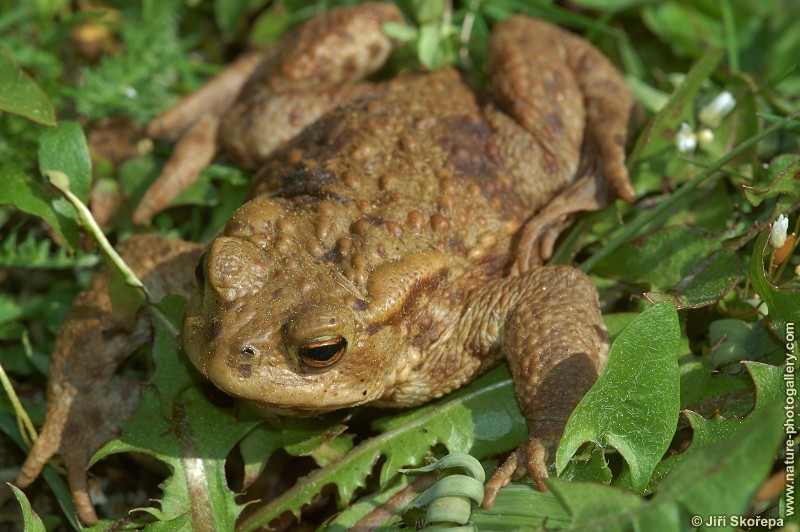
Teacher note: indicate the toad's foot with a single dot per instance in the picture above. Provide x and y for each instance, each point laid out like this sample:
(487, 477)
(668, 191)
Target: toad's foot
(530, 457)
(548, 326)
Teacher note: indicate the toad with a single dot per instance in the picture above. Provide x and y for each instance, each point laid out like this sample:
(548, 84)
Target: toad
(391, 248)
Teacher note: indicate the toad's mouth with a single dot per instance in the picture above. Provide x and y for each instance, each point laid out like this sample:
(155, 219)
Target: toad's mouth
(300, 410)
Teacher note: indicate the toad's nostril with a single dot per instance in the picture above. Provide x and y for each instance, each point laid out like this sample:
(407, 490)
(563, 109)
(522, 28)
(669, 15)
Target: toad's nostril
(249, 351)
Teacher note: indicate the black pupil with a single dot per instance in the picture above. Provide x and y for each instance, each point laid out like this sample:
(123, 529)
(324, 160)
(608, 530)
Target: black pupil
(322, 352)
(200, 271)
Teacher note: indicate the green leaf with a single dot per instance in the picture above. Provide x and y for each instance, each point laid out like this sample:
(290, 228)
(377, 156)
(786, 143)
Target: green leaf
(721, 479)
(20, 95)
(707, 432)
(690, 264)
(230, 13)
(256, 449)
(641, 382)
(400, 32)
(64, 149)
(33, 523)
(784, 170)
(481, 419)
(521, 507)
(718, 479)
(735, 340)
(782, 302)
(301, 438)
(194, 439)
(27, 195)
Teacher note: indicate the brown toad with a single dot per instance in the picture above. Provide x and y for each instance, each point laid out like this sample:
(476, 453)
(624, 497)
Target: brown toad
(390, 251)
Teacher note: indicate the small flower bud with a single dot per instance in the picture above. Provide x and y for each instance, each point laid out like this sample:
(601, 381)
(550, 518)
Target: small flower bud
(777, 234)
(686, 140)
(705, 136)
(712, 114)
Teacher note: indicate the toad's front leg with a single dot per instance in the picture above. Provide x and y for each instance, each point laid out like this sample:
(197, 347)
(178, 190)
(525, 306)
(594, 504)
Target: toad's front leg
(548, 326)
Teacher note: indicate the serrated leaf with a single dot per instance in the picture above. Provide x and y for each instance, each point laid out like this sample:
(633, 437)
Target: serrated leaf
(480, 419)
(639, 388)
(301, 438)
(20, 95)
(33, 523)
(782, 302)
(785, 172)
(64, 149)
(691, 266)
(194, 440)
(27, 195)
(256, 448)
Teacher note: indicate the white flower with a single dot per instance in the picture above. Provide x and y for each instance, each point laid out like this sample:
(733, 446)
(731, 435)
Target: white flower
(797, 270)
(686, 140)
(713, 113)
(777, 235)
(130, 92)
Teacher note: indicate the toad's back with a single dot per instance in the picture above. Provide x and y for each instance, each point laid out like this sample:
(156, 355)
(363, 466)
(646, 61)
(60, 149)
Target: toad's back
(411, 166)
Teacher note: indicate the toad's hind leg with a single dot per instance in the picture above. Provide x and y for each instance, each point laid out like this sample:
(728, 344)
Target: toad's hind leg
(551, 332)
(575, 107)
(263, 100)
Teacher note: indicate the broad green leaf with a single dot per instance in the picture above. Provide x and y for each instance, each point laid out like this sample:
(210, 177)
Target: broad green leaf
(64, 149)
(690, 265)
(781, 302)
(481, 419)
(588, 466)
(27, 195)
(706, 390)
(20, 95)
(735, 340)
(784, 170)
(639, 388)
(706, 432)
(33, 523)
(718, 479)
(721, 479)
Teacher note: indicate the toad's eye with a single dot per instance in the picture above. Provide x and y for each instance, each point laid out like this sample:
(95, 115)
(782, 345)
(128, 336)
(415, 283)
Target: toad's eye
(200, 271)
(322, 352)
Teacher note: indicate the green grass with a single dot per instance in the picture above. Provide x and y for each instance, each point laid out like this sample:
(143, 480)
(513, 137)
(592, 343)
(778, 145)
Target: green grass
(687, 419)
